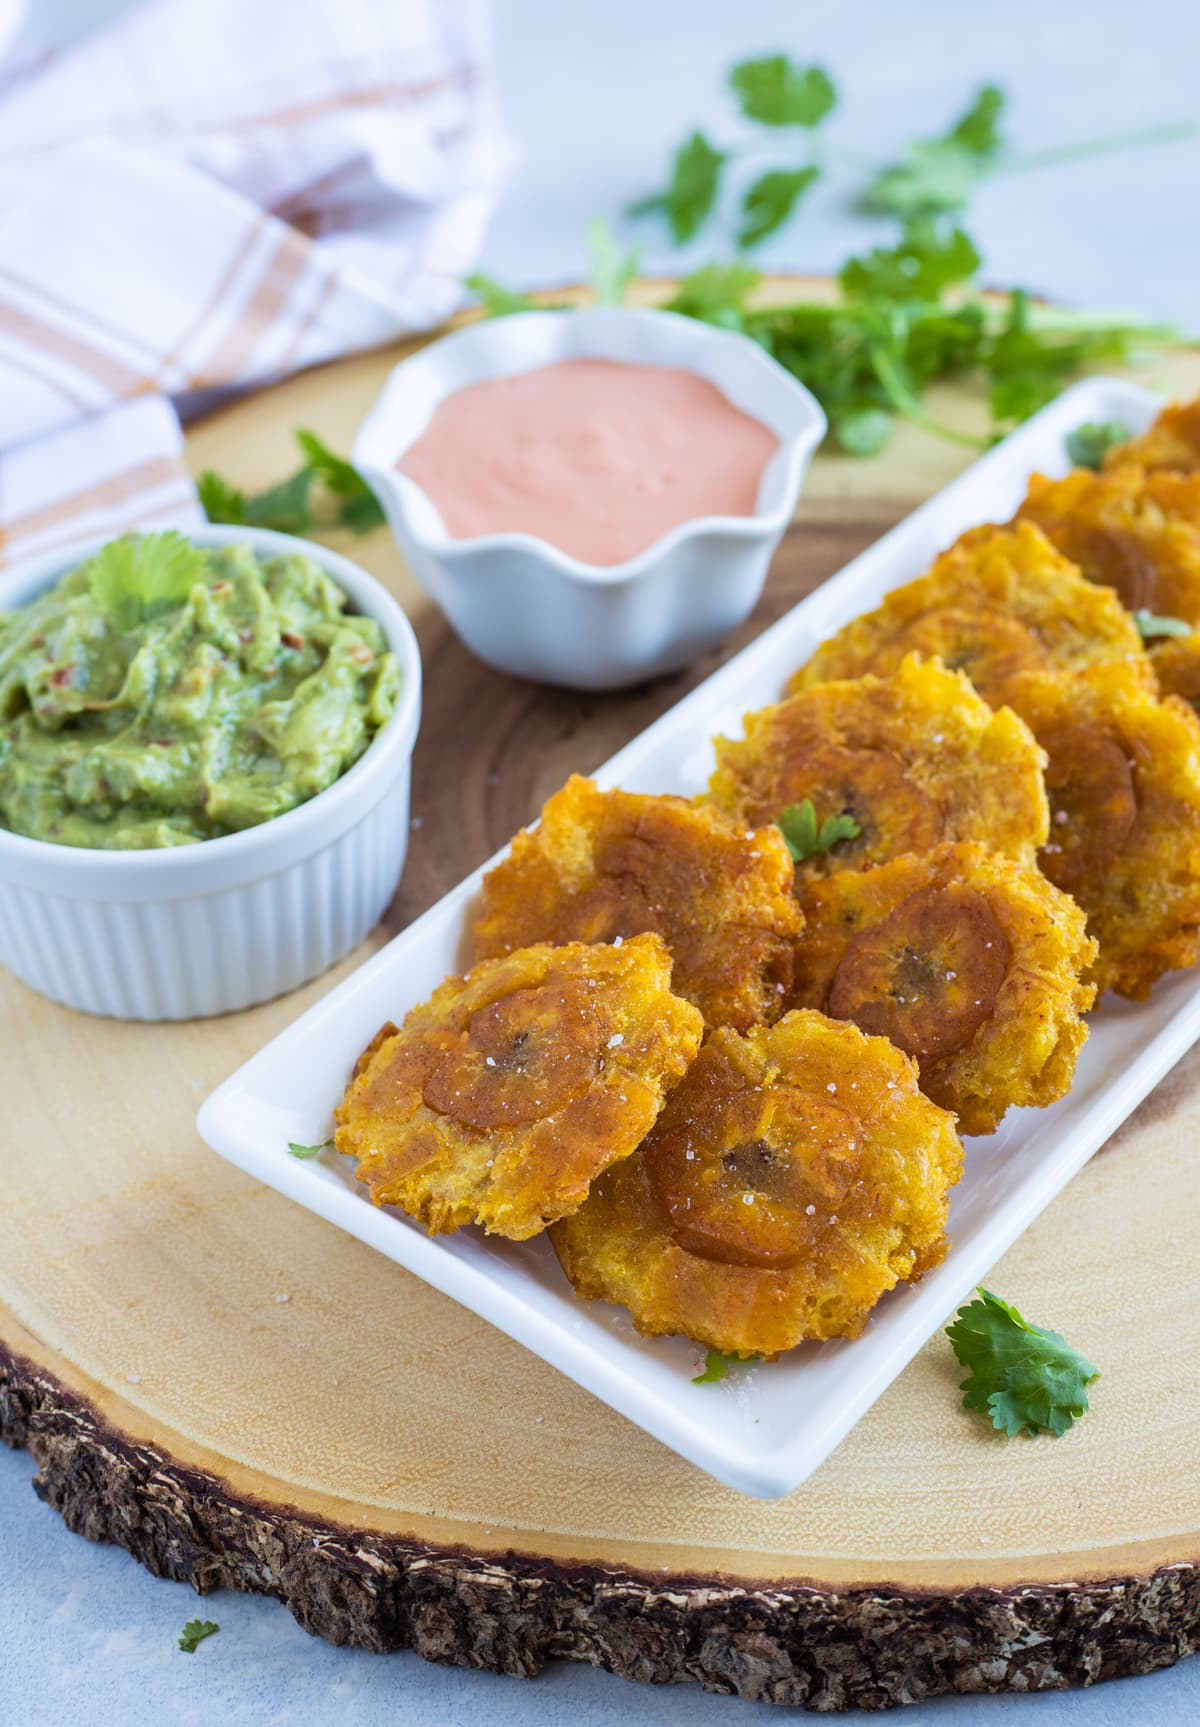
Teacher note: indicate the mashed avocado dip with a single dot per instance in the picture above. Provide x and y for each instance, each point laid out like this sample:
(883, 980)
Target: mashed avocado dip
(164, 693)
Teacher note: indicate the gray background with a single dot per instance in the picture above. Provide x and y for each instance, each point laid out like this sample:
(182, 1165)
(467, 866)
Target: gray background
(596, 94)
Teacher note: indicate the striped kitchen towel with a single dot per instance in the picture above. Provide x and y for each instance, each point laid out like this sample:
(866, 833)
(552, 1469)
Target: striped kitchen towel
(208, 195)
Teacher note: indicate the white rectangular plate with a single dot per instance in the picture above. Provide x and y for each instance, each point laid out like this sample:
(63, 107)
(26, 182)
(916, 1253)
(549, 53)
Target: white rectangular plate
(764, 1429)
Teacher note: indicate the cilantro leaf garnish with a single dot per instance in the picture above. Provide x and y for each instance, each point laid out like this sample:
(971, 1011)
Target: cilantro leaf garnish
(1027, 1379)
(220, 499)
(1088, 444)
(140, 576)
(937, 175)
(689, 196)
(717, 1365)
(924, 263)
(716, 294)
(805, 839)
(194, 1632)
(769, 202)
(776, 92)
(289, 506)
(978, 131)
(1151, 627)
(862, 431)
(612, 270)
(304, 1152)
(498, 301)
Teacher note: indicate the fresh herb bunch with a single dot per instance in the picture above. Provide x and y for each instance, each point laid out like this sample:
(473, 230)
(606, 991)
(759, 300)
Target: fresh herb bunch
(1026, 1379)
(788, 106)
(904, 317)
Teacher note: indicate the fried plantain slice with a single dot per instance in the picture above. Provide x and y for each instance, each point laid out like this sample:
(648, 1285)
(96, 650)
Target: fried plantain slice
(1133, 531)
(794, 1176)
(1173, 441)
(501, 1098)
(1176, 662)
(968, 962)
(915, 758)
(1124, 786)
(607, 864)
(998, 605)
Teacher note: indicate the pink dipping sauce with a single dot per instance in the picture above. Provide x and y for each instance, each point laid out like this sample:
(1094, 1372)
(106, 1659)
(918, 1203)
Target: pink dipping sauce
(597, 457)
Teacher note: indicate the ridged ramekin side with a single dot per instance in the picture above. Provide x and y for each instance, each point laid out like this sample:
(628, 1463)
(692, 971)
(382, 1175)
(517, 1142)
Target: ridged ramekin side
(190, 957)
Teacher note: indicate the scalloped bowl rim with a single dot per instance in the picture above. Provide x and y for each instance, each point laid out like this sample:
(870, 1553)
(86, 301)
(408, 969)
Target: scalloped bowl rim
(795, 449)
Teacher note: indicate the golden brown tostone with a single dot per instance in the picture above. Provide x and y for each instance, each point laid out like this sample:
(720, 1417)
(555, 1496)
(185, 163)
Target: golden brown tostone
(1000, 604)
(969, 962)
(915, 757)
(502, 1098)
(1124, 785)
(1133, 531)
(795, 1175)
(603, 864)
(1173, 441)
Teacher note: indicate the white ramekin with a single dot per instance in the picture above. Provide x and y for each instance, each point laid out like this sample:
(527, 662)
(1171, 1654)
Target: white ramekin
(194, 930)
(531, 610)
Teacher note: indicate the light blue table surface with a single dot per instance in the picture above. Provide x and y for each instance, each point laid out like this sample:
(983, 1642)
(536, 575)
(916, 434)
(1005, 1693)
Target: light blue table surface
(596, 94)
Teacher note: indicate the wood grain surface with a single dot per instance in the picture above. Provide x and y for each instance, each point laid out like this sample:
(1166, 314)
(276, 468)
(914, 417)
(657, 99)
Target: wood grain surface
(240, 1395)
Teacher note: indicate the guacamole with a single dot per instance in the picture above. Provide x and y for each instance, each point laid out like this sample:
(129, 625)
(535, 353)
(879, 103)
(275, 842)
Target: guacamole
(163, 693)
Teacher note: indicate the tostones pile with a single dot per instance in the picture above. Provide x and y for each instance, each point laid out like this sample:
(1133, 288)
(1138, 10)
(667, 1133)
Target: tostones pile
(1000, 604)
(913, 758)
(1135, 532)
(605, 865)
(1173, 441)
(722, 1048)
(502, 1098)
(795, 1175)
(969, 962)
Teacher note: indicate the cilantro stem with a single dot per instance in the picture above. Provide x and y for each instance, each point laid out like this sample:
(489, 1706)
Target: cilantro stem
(904, 402)
(1171, 132)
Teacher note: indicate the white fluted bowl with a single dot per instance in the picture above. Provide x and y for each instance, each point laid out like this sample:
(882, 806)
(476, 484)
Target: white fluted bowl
(532, 610)
(188, 931)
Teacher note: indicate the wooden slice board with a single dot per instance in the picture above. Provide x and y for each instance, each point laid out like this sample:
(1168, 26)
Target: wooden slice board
(242, 1396)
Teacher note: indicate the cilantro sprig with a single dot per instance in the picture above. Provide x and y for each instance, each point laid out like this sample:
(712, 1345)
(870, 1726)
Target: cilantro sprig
(937, 175)
(1027, 1379)
(1152, 628)
(306, 1152)
(717, 1365)
(906, 317)
(496, 300)
(805, 838)
(907, 313)
(1088, 444)
(688, 198)
(141, 576)
(324, 491)
(788, 104)
(612, 269)
(194, 1632)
